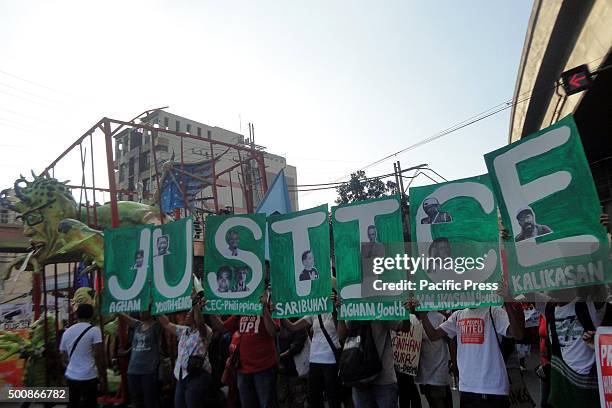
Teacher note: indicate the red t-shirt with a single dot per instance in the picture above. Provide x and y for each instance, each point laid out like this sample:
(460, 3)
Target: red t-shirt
(257, 347)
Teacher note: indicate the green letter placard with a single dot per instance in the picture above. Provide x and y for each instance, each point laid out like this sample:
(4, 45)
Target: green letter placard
(234, 263)
(456, 220)
(550, 207)
(127, 264)
(300, 269)
(363, 231)
(172, 266)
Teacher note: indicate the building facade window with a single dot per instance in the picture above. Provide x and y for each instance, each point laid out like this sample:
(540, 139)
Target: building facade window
(166, 122)
(199, 131)
(4, 216)
(209, 134)
(135, 139)
(122, 172)
(143, 162)
(177, 126)
(188, 128)
(131, 165)
(145, 185)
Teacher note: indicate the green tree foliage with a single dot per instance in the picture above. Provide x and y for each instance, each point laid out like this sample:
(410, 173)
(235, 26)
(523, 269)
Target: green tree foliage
(360, 188)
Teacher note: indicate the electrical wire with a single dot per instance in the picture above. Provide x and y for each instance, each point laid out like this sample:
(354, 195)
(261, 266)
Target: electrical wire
(32, 82)
(298, 188)
(483, 115)
(467, 122)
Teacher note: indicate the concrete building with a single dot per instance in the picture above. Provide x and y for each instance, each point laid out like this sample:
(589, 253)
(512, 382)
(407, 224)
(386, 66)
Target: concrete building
(136, 167)
(562, 35)
(12, 241)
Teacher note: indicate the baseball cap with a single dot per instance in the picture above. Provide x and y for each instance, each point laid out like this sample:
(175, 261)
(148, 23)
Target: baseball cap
(430, 201)
(524, 210)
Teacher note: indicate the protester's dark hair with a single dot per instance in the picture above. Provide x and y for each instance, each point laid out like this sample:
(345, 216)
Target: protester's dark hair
(224, 269)
(524, 212)
(371, 227)
(229, 233)
(305, 254)
(85, 311)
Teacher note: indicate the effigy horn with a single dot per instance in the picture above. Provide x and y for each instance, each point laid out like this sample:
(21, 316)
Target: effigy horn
(18, 191)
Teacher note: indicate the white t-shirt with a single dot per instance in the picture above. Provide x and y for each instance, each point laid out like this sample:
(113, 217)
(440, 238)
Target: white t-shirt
(82, 364)
(433, 362)
(320, 351)
(574, 350)
(481, 365)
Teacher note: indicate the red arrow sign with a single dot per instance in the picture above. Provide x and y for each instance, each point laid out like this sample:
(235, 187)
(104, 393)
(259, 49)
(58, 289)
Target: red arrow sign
(576, 80)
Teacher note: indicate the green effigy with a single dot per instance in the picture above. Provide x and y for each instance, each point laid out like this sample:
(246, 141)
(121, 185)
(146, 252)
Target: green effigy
(52, 222)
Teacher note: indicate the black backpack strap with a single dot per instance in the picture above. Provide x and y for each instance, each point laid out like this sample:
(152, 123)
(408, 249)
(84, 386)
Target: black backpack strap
(327, 336)
(607, 317)
(495, 333)
(76, 342)
(584, 317)
(549, 313)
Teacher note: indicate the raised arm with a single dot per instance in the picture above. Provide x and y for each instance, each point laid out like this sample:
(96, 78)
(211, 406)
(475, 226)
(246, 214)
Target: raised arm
(516, 330)
(516, 317)
(433, 333)
(127, 319)
(165, 323)
(204, 330)
(267, 314)
(298, 325)
(216, 323)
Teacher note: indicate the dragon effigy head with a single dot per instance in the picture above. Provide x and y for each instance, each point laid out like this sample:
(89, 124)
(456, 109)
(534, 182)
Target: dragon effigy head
(41, 203)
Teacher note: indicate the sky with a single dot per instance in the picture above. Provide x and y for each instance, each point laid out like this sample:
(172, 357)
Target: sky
(330, 85)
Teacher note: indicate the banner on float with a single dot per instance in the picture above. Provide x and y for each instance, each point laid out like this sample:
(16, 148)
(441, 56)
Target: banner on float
(603, 355)
(234, 264)
(172, 266)
(364, 233)
(300, 269)
(406, 348)
(127, 268)
(550, 207)
(455, 244)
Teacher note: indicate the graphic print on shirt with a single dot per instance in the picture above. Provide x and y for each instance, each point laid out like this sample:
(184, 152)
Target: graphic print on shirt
(471, 330)
(249, 324)
(140, 340)
(569, 330)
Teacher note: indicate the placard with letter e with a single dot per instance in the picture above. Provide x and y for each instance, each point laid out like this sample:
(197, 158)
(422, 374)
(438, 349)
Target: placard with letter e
(550, 207)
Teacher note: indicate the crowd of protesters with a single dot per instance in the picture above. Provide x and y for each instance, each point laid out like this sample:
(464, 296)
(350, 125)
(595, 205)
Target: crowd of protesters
(261, 361)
